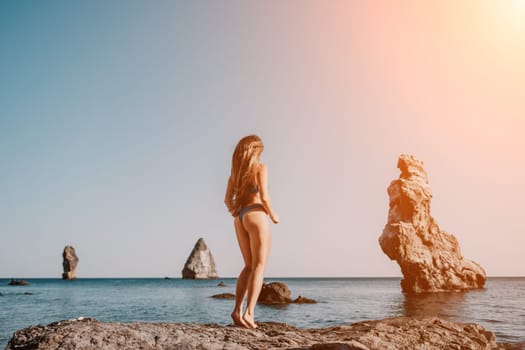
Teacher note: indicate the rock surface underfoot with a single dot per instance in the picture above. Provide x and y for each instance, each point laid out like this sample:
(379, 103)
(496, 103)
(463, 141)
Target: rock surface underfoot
(392, 333)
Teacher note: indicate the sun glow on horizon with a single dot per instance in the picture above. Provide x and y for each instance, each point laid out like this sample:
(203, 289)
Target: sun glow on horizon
(519, 4)
(507, 16)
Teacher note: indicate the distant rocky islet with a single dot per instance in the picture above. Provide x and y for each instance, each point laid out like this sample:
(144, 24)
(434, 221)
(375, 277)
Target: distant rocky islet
(69, 263)
(200, 264)
(69, 266)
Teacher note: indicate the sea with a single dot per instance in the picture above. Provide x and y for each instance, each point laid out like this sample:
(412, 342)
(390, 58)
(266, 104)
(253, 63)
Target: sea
(499, 307)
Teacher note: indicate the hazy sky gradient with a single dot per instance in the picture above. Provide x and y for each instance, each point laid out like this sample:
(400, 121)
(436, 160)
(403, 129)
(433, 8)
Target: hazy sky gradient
(118, 120)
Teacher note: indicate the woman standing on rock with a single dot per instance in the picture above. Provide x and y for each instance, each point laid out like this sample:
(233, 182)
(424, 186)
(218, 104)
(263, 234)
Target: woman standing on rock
(248, 201)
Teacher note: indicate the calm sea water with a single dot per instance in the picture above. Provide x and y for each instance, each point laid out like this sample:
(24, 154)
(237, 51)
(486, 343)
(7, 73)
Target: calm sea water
(500, 307)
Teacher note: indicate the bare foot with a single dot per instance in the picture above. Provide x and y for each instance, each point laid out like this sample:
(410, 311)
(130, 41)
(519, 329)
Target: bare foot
(237, 320)
(249, 320)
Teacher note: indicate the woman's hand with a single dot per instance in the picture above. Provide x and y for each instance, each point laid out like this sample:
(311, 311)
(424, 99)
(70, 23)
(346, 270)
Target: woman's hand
(275, 218)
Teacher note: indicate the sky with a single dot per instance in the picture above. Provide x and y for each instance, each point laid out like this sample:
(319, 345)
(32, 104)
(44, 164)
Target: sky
(118, 120)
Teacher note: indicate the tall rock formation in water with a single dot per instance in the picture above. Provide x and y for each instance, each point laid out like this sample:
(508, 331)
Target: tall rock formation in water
(430, 258)
(200, 263)
(69, 263)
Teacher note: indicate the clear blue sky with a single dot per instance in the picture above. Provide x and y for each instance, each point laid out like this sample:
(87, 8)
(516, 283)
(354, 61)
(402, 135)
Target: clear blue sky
(118, 120)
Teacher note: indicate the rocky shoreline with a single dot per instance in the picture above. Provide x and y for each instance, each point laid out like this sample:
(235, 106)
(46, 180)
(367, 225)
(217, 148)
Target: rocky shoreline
(392, 333)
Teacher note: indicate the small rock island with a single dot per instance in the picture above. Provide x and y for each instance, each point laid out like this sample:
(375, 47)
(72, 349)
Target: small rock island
(69, 263)
(430, 258)
(200, 263)
(275, 293)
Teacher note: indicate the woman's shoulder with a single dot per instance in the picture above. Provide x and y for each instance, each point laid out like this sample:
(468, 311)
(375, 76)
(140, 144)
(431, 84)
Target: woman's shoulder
(262, 167)
(262, 171)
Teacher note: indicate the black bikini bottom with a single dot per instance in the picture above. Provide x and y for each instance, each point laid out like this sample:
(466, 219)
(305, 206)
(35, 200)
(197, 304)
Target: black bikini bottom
(249, 208)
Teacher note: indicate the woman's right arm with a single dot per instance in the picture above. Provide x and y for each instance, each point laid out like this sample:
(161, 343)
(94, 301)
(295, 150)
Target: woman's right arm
(262, 179)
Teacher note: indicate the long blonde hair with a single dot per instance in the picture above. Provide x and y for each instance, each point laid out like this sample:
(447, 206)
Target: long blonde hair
(244, 170)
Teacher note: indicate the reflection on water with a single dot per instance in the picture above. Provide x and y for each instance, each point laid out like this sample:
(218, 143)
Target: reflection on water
(498, 307)
(448, 305)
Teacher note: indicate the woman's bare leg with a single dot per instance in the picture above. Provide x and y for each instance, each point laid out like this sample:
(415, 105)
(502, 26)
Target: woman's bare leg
(242, 280)
(256, 223)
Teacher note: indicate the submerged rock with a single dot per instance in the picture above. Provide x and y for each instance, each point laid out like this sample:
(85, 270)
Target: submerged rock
(14, 282)
(224, 296)
(69, 263)
(200, 263)
(275, 293)
(302, 300)
(393, 333)
(430, 258)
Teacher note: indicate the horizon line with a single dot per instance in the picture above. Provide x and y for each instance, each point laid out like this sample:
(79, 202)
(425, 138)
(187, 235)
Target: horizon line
(230, 277)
